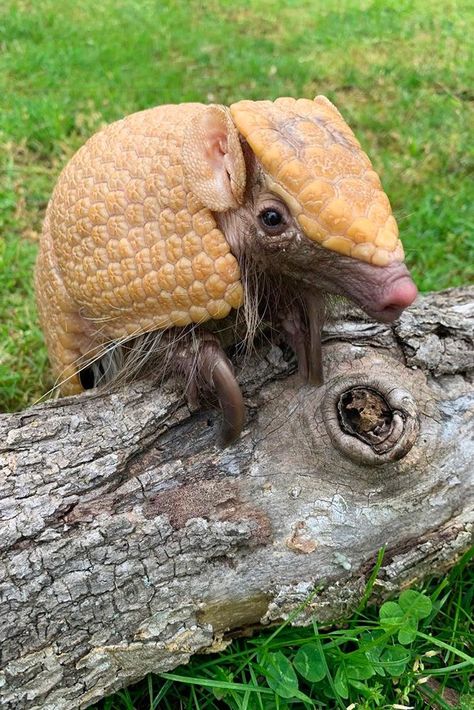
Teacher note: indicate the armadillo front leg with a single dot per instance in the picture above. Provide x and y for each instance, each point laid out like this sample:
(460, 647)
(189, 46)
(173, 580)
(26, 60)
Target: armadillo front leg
(207, 369)
(302, 323)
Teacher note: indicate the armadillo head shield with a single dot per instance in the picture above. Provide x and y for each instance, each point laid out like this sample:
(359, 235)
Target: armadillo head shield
(313, 161)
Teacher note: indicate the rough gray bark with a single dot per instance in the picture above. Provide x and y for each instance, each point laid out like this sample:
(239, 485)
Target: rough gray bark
(129, 542)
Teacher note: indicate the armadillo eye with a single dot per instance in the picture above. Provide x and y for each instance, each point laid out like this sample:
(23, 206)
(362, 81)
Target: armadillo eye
(272, 220)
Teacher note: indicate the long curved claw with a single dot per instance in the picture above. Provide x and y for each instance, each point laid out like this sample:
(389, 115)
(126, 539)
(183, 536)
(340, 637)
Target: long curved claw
(230, 400)
(216, 371)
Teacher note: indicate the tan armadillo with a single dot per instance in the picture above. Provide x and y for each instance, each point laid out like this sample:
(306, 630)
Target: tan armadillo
(169, 220)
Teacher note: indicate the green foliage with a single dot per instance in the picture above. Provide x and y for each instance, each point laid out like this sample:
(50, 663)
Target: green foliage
(279, 674)
(374, 653)
(310, 663)
(404, 616)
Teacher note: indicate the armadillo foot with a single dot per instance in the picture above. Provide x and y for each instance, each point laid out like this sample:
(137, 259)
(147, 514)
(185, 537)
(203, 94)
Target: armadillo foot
(197, 356)
(301, 325)
(201, 360)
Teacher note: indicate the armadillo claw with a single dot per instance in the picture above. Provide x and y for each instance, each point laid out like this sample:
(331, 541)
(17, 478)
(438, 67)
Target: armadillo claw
(216, 374)
(231, 402)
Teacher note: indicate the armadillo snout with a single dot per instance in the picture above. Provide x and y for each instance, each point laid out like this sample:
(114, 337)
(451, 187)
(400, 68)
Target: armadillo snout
(396, 298)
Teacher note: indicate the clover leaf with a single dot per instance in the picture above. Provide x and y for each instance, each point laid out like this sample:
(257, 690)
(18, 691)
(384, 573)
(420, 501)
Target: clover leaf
(310, 663)
(280, 674)
(402, 617)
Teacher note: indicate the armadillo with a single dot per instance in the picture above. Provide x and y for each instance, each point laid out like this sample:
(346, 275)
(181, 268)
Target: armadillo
(173, 220)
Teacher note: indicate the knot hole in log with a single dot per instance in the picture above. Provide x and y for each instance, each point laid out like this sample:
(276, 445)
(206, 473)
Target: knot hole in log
(370, 420)
(366, 414)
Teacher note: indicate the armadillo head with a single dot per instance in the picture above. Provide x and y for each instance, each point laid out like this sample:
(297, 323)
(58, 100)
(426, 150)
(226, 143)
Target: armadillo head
(311, 162)
(315, 163)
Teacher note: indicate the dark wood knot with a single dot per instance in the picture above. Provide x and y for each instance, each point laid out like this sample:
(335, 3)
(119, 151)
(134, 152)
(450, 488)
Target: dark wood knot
(370, 419)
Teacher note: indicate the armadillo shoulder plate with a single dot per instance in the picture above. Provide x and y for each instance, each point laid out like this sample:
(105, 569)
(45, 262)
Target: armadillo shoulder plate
(130, 240)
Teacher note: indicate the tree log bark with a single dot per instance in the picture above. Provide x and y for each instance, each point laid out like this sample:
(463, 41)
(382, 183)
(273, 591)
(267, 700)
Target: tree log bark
(130, 542)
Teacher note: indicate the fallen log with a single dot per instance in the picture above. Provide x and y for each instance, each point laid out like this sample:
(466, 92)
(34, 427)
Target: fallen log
(130, 542)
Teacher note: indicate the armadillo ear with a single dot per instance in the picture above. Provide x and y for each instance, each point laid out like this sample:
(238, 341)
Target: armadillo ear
(213, 161)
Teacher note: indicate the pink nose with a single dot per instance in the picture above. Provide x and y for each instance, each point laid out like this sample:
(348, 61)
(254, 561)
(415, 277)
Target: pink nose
(396, 297)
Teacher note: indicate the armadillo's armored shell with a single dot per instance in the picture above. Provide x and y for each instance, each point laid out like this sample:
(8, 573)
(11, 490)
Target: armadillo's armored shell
(315, 163)
(136, 250)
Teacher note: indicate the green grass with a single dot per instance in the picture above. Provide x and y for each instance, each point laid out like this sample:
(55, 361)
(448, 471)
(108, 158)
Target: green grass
(401, 73)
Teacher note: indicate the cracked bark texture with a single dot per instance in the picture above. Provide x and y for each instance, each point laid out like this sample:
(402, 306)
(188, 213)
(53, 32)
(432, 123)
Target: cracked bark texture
(130, 542)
